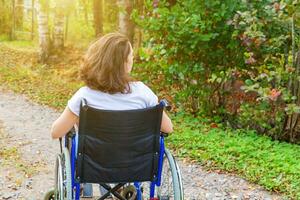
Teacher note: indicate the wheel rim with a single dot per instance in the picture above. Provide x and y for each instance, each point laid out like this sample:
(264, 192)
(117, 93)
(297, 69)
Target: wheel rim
(165, 191)
(67, 184)
(171, 185)
(59, 179)
(63, 188)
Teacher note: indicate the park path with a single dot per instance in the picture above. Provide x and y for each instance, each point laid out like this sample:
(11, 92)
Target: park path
(27, 155)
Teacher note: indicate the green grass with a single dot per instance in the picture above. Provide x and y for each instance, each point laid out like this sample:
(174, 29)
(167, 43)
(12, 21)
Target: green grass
(4, 37)
(44, 85)
(271, 164)
(24, 45)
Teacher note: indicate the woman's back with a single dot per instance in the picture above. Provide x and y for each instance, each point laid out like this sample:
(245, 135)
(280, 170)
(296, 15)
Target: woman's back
(140, 97)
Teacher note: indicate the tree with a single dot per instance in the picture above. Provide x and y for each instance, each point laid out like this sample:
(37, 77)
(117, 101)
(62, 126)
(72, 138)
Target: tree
(5, 17)
(58, 29)
(111, 15)
(98, 16)
(85, 5)
(43, 30)
(126, 25)
(19, 13)
(140, 8)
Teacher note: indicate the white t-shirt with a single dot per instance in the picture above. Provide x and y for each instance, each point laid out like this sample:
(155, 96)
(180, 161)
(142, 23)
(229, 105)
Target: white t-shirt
(140, 97)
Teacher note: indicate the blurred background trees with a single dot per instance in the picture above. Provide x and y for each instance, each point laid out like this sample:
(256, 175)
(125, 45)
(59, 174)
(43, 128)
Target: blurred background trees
(55, 22)
(98, 16)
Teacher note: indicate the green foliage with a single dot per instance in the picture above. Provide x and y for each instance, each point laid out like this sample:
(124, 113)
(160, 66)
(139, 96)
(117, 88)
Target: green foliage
(80, 38)
(4, 37)
(267, 113)
(111, 16)
(43, 85)
(265, 31)
(20, 44)
(188, 42)
(204, 47)
(272, 164)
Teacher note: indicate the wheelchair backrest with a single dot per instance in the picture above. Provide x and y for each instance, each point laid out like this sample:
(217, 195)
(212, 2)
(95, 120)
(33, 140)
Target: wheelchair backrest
(118, 146)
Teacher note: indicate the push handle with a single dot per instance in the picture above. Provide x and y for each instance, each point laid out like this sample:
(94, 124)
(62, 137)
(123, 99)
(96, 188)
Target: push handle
(164, 134)
(165, 104)
(84, 104)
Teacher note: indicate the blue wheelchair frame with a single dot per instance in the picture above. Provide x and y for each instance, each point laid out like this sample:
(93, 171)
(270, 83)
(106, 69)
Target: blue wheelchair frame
(157, 182)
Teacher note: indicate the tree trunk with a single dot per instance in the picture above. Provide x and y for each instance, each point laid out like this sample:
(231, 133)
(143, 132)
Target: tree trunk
(140, 7)
(6, 18)
(98, 17)
(43, 30)
(19, 14)
(292, 121)
(13, 17)
(172, 2)
(85, 5)
(58, 29)
(126, 25)
(111, 15)
(32, 19)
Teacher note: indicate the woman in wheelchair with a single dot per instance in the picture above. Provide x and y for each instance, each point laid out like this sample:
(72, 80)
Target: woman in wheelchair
(118, 122)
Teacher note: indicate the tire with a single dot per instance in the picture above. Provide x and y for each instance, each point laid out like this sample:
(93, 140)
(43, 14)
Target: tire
(63, 181)
(171, 184)
(50, 195)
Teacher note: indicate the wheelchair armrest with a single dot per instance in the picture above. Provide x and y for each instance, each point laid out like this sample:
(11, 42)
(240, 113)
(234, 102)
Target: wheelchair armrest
(68, 139)
(164, 134)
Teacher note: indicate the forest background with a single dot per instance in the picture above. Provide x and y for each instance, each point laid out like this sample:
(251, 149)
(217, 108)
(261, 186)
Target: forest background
(231, 70)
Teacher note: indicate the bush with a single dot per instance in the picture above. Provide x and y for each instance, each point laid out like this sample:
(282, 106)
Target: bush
(188, 42)
(209, 49)
(268, 33)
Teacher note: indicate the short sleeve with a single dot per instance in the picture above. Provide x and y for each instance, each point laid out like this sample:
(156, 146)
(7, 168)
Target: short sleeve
(152, 99)
(75, 101)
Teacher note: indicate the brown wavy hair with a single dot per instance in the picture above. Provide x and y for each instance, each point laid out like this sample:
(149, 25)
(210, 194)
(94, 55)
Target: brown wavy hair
(103, 66)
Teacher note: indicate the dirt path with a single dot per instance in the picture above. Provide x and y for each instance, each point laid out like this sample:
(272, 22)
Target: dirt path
(27, 158)
(30, 152)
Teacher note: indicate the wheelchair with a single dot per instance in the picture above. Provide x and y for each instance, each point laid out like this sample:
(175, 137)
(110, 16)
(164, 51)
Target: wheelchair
(120, 148)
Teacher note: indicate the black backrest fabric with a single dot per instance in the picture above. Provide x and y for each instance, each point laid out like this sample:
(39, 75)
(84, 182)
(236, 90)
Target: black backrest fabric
(118, 146)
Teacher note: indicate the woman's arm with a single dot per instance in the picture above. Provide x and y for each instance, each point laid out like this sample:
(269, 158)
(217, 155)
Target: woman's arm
(64, 123)
(166, 124)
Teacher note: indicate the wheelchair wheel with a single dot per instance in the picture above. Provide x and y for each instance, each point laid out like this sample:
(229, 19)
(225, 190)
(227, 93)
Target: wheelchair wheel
(63, 182)
(50, 195)
(171, 184)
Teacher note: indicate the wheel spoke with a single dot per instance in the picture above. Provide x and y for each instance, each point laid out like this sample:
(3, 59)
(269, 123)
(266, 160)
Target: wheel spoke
(165, 191)
(63, 188)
